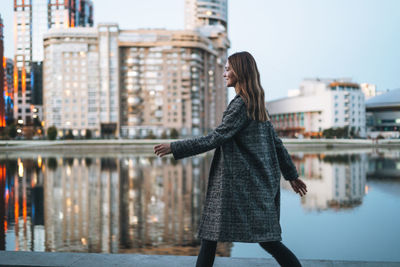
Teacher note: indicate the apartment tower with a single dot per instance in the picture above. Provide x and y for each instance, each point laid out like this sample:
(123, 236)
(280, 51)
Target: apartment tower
(168, 81)
(210, 19)
(199, 13)
(31, 20)
(2, 66)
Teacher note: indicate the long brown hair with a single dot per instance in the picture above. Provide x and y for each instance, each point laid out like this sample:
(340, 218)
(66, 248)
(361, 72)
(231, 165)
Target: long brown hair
(248, 84)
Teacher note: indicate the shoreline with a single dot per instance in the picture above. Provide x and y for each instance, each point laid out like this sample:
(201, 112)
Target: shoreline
(118, 147)
(12, 144)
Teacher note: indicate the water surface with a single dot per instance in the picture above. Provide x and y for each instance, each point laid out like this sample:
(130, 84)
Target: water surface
(137, 203)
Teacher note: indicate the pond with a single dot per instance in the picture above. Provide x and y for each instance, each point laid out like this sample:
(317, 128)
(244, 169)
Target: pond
(137, 203)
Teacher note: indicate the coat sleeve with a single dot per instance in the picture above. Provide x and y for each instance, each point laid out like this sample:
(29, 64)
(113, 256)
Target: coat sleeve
(286, 164)
(234, 120)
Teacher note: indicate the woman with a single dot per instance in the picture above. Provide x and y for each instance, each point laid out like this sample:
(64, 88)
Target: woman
(243, 195)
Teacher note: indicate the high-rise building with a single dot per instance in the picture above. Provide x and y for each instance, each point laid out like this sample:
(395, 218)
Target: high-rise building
(31, 20)
(71, 82)
(210, 19)
(199, 13)
(8, 65)
(321, 104)
(169, 79)
(131, 83)
(2, 66)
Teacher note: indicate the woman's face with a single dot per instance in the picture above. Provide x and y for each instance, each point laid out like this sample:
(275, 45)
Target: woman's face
(229, 76)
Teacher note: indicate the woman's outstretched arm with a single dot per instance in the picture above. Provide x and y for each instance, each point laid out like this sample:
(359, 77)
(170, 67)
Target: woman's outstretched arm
(234, 120)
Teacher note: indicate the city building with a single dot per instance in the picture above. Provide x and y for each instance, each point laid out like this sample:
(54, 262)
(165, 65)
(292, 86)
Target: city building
(8, 65)
(31, 20)
(383, 115)
(210, 19)
(2, 66)
(369, 90)
(320, 104)
(199, 13)
(143, 83)
(131, 83)
(169, 80)
(71, 80)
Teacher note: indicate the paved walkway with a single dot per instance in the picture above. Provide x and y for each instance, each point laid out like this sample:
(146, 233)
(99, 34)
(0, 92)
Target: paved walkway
(12, 258)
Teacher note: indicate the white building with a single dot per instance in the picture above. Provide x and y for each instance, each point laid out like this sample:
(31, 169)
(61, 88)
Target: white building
(320, 104)
(80, 91)
(369, 90)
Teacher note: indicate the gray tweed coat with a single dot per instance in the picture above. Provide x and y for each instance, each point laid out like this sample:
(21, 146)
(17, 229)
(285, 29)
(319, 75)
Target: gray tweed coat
(243, 195)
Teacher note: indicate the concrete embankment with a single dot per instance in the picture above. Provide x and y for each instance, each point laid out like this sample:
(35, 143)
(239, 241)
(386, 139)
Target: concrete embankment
(12, 258)
(128, 144)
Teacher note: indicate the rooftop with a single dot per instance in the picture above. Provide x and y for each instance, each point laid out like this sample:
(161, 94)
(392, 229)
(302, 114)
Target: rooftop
(389, 99)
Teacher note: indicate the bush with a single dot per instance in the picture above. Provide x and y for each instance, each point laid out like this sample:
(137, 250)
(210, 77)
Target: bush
(69, 135)
(88, 134)
(52, 133)
(150, 135)
(164, 135)
(174, 134)
(12, 131)
(338, 132)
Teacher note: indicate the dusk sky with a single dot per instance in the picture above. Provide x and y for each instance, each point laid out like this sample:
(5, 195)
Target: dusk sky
(290, 39)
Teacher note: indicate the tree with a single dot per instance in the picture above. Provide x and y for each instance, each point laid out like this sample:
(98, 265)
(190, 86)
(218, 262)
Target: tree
(69, 135)
(164, 135)
(150, 135)
(88, 134)
(12, 131)
(338, 132)
(52, 133)
(174, 134)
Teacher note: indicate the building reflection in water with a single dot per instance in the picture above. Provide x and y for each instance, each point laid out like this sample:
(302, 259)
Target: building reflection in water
(333, 181)
(144, 204)
(21, 204)
(127, 205)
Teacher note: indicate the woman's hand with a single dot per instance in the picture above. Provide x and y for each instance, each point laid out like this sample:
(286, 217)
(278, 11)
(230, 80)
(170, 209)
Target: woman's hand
(299, 186)
(162, 149)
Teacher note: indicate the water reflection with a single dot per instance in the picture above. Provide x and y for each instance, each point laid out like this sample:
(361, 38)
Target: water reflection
(143, 204)
(129, 204)
(334, 181)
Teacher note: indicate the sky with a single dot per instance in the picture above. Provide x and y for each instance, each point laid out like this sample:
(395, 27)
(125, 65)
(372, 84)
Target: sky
(290, 39)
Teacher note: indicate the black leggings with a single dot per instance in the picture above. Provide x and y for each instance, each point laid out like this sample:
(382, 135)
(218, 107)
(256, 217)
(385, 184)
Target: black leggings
(278, 250)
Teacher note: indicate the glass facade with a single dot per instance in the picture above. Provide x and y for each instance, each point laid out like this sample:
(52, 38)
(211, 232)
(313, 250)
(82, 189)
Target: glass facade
(2, 82)
(32, 19)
